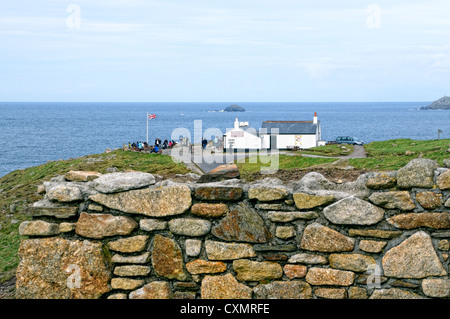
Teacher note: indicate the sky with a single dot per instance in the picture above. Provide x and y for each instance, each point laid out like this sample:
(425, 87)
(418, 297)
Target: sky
(224, 50)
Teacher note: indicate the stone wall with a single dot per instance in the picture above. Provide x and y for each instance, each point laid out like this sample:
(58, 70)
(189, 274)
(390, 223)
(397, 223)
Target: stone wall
(131, 235)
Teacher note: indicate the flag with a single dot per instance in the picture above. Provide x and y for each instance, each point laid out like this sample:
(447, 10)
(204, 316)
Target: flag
(151, 116)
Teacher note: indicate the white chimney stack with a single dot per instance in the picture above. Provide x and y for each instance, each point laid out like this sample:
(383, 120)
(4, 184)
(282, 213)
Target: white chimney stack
(315, 118)
(236, 123)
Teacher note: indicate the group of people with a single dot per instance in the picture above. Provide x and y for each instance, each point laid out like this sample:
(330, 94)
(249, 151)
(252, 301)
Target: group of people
(216, 143)
(156, 148)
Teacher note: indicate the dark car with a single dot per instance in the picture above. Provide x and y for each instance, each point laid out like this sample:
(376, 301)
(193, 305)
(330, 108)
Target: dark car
(349, 140)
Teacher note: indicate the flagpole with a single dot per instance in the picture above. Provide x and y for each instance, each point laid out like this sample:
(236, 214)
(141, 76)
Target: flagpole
(147, 127)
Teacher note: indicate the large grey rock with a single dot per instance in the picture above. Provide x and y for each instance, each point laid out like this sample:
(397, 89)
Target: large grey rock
(38, 228)
(57, 268)
(189, 226)
(157, 202)
(316, 184)
(268, 189)
(242, 224)
(394, 293)
(118, 182)
(317, 237)
(447, 162)
(437, 288)
(216, 250)
(393, 200)
(417, 173)
(104, 225)
(283, 290)
(64, 193)
(415, 257)
(167, 258)
(353, 211)
(224, 287)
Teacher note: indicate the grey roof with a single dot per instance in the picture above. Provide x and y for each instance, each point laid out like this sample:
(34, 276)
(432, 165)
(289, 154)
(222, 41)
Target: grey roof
(290, 127)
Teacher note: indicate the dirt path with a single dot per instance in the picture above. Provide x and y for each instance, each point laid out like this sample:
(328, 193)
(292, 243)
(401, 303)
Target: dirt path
(358, 152)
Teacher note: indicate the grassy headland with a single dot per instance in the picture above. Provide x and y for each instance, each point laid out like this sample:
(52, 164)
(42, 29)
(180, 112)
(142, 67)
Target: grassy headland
(381, 156)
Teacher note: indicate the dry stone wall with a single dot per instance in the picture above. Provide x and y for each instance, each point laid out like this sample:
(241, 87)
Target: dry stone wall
(128, 235)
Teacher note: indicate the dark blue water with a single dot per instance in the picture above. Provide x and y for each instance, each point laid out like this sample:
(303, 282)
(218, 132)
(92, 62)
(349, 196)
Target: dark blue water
(34, 133)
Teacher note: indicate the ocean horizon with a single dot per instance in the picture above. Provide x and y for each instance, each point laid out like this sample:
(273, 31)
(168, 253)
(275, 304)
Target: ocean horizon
(33, 133)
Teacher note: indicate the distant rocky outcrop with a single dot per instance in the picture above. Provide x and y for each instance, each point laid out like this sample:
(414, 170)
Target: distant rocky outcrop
(441, 104)
(234, 108)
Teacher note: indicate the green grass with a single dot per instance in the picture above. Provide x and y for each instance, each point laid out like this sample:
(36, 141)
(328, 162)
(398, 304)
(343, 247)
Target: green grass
(18, 189)
(253, 164)
(381, 156)
(432, 149)
(330, 150)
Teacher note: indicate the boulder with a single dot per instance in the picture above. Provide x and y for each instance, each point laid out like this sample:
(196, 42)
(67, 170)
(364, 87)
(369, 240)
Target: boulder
(316, 184)
(382, 180)
(81, 176)
(415, 257)
(443, 180)
(224, 287)
(218, 192)
(220, 173)
(209, 210)
(332, 277)
(104, 225)
(248, 270)
(120, 181)
(64, 193)
(167, 258)
(158, 202)
(242, 224)
(393, 200)
(58, 212)
(306, 201)
(417, 173)
(200, 266)
(416, 220)
(153, 290)
(38, 228)
(394, 293)
(216, 250)
(317, 237)
(267, 190)
(129, 245)
(352, 262)
(353, 211)
(189, 226)
(429, 200)
(57, 268)
(283, 290)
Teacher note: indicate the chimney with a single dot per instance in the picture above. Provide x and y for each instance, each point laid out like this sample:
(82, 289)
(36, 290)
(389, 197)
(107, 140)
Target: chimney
(315, 118)
(236, 123)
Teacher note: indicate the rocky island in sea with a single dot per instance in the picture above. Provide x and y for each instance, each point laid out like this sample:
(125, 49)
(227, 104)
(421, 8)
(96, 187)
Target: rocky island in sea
(234, 108)
(441, 104)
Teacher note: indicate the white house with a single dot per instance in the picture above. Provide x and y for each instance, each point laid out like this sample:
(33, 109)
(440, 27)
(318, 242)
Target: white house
(240, 139)
(279, 135)
(290, 134)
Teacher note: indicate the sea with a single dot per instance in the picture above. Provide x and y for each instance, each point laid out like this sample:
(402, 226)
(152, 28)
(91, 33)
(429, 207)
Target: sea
(35, 133)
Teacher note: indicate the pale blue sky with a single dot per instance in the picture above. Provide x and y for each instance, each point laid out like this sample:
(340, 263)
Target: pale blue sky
(227, 50)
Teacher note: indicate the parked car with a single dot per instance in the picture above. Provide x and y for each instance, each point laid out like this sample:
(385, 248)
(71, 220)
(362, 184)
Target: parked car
(349, 140)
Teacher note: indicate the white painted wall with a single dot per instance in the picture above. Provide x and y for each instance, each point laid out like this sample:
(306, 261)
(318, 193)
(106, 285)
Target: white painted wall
(300, 140)
(241, 139)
